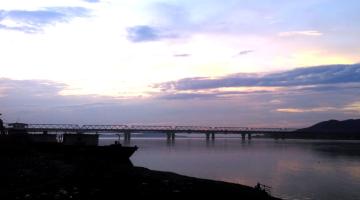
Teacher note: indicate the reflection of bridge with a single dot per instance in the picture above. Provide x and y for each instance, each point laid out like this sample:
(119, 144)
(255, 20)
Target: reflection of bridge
(170, 131)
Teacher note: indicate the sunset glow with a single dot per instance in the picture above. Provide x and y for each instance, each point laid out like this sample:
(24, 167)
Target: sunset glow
(123, 54)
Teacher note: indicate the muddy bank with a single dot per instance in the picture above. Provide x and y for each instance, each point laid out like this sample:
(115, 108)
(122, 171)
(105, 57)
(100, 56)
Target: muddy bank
(30, 174)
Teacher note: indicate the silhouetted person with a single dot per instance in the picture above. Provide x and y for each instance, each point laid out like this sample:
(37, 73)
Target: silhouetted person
(2, 128)
(258, 186)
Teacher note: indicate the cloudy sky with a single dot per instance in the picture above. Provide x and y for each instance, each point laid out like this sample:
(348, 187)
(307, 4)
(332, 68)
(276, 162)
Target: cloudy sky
(265, 63)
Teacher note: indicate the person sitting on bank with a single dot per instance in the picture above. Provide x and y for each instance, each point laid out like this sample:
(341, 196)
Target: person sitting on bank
(2, 128)
(258, 186)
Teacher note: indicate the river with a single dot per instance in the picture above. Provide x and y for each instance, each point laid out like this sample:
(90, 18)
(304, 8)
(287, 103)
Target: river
(294, 169)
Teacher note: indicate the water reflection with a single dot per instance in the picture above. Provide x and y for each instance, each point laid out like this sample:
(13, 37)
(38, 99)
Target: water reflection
(295, 169)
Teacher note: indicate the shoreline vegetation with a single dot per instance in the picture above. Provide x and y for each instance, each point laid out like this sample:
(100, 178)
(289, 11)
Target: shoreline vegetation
(27, 173)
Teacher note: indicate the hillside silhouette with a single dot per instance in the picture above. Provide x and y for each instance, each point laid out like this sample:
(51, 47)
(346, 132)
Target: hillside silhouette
(331, 129)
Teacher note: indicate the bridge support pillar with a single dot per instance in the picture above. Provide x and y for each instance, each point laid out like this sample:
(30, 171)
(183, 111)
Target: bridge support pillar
(249, 136)
(207, 136)
(243, 135)
(210, 139)
(127, 137)
(170, 138)
(283, 136)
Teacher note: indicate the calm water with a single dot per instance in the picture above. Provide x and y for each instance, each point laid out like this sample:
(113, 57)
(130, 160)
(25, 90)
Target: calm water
(295, 169)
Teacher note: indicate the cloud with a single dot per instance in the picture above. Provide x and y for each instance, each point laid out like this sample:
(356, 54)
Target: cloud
(34, 21)
(300, 33)
(30, 87)
(207, 95)
(25, 29)
(42, 94)
(355, 106)
(330, 74)
(92, 1)
(144, 33)
(182, 55)
(185, 96)
(244, 52)
(304, 110)
(210, 17)
(40, 101)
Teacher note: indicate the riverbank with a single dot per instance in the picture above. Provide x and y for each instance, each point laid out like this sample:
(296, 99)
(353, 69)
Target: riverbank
(37, 175)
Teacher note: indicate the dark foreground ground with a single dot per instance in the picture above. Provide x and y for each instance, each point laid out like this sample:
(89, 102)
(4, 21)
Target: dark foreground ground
(30, 174)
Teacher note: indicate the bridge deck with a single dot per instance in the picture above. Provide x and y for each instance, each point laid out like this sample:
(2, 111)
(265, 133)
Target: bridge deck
(145, 128)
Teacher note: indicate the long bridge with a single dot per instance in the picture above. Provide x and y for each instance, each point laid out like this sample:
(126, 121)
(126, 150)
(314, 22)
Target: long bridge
(127, 130)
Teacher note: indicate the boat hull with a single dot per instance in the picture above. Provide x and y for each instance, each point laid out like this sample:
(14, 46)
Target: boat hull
(23, 144)
(81, 152)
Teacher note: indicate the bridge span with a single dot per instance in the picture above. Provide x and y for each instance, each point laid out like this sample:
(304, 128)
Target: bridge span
(127, 130)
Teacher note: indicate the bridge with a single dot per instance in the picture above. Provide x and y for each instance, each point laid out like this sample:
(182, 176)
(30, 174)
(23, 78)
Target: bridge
(127, 130)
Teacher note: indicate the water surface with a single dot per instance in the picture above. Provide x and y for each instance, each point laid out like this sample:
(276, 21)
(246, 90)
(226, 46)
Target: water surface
(295, 169)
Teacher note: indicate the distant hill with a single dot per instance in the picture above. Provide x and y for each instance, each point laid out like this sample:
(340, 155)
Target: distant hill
(332, 129)
(350, 125)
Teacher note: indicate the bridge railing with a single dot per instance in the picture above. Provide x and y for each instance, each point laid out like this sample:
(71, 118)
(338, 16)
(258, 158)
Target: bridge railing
(104, 127)
(272, 129)
(150, 128)
(53, 126)
(193, 128)
(230, 129)
(75, 127)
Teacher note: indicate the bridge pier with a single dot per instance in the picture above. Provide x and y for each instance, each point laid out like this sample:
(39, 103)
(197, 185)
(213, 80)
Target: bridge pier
(278, 136)
(207, 136)
(210, 139)
(283, 136)
(243, 136)
(170, 138)
(127, 137)
(249, 136)
(212, 136)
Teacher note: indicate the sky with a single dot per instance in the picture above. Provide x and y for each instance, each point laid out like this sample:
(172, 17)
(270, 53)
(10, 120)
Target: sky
(268, 63)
